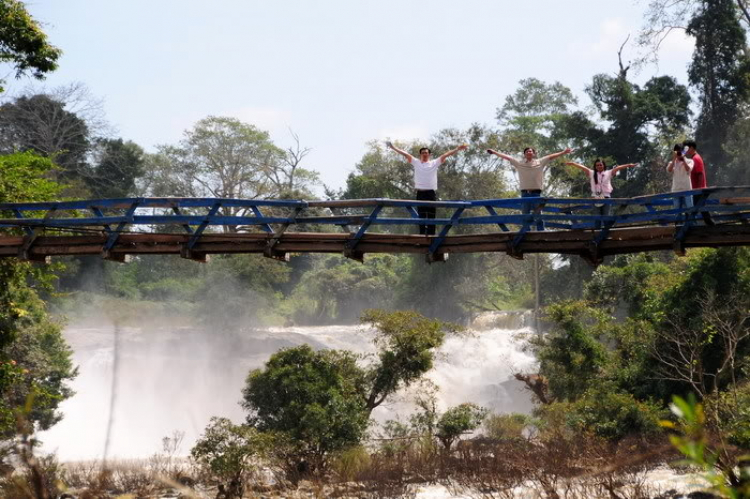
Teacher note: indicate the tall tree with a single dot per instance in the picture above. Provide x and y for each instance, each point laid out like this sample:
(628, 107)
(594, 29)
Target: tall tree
(220, 157)
(42, 124)
(23, 44)
(637, 119)
(116, 166)
(720, 71)
(533, 117)
(35, 362)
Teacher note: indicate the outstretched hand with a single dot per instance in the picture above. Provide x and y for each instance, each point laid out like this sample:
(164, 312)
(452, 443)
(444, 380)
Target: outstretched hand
(463, 147)
(389, 144)
(568, 150)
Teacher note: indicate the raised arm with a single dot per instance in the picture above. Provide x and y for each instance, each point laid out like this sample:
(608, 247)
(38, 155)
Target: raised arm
(403, 153)
(622, 167)
(450, 153)
(501, 155)
(556, 155)
(579, 166)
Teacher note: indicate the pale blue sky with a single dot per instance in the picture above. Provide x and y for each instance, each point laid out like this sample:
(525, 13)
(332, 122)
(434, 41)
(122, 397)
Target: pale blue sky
(337, 72)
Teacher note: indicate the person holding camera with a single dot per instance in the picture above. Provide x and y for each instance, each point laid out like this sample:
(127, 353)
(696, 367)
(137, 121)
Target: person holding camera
(426, 180)
(530, 173)
(680, 167)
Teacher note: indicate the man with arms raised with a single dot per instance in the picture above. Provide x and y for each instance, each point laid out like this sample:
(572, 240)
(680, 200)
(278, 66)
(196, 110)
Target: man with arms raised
(425, 180)
(530, 173)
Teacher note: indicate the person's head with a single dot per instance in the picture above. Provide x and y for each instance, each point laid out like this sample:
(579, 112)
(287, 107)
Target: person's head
(424, 154)
(691, 146)
(678, 149)
(529, 153)
(600, 165)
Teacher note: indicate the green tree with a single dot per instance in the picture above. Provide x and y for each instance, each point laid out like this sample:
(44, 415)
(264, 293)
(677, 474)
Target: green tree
(720, 71)
(42, 124)
(637, 117)
(220, 157)
(534, 116)
(225, 453)
(35, 362)
(316, 404)
(23, 44)
(457, 421)
(116, 167)
(571, 357)
(311, 399)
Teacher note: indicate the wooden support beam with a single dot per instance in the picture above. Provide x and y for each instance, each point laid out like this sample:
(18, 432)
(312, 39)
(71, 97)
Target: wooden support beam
(191, 254)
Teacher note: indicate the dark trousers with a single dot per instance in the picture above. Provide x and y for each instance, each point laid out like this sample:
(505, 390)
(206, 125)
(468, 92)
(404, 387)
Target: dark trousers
(427, 211)
(707, 220)
(603, 210)
(531, 193)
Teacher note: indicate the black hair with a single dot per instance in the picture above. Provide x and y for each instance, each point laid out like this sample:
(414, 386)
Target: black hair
(598, 160)
(529, 149)
(690, 143)
(424, 149)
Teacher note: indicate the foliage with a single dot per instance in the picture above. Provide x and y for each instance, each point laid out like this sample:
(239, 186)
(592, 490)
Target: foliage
(117, 166)
(23, 43)
(312, 399)
(225, 453)
(41, 123)
(729, 411)
(219, 157)
(728, 477)
(611, 414)
(507, 427)
(637, 118)
(336, 289)
(317, 404)
(35, 362)
(406, 344)
(719, 70)
(458, 420)
(571, 357)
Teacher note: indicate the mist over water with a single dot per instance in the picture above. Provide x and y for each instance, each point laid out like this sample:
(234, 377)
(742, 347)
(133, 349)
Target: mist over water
(174, 378)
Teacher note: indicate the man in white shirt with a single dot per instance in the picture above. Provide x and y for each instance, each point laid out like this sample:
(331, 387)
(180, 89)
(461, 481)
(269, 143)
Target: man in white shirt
(425, 180)
(530, 173)
(680, 168)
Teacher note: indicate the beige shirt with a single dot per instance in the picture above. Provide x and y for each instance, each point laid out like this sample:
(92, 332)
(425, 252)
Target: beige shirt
(530, 173)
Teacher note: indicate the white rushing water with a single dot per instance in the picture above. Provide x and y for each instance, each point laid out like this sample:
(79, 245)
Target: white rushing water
(175, 379)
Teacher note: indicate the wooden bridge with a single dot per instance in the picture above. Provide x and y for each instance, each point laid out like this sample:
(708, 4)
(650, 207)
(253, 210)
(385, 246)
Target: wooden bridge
(197, 227)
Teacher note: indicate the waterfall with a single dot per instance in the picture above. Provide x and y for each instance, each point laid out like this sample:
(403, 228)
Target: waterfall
(175, 379)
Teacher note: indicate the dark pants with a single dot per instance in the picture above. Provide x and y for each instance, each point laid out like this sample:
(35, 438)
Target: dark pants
(531, 193)
(707, 220)
(603, 210)
(427, 211)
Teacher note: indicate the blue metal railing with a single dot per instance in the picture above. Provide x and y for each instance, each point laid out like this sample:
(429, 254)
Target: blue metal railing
(194, 216)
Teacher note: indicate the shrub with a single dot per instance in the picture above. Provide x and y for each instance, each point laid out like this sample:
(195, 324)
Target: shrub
(224, 453)
(507, 427)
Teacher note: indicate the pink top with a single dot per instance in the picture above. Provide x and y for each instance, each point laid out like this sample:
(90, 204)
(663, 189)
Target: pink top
(603, 185)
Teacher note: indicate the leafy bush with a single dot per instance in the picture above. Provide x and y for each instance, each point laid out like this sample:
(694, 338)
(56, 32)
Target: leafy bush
(605, 413)
(224, 454)
(458, 420)
(507, 427)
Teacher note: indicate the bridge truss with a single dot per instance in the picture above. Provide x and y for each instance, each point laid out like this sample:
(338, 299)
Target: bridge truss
(197, 227)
